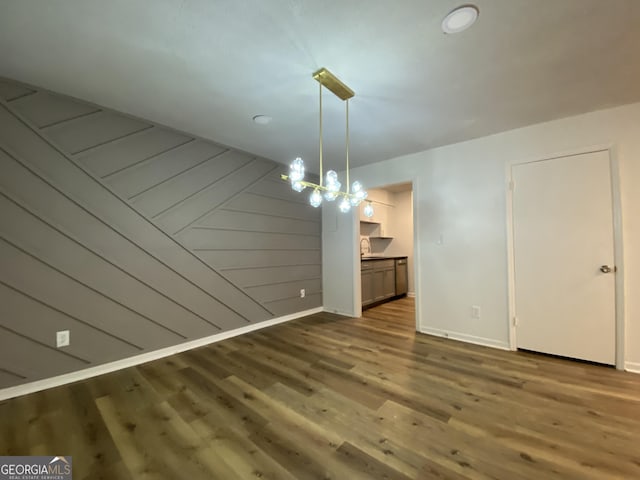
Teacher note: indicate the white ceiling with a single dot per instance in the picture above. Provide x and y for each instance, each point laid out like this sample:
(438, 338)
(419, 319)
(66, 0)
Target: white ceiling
(208, 66)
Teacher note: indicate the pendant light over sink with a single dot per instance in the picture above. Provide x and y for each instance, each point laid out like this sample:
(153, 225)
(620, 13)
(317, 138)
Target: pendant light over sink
(329, 188)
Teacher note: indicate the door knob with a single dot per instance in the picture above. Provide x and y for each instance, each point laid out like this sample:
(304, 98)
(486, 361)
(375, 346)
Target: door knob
(607, 269)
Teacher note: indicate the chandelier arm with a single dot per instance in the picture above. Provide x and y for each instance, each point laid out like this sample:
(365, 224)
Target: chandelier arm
(338, 194)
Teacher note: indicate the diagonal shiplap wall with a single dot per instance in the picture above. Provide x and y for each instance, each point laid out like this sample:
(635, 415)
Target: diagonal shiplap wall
(135, 237)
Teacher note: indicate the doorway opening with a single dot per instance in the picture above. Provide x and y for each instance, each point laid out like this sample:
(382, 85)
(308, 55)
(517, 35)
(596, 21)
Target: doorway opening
(386, 246)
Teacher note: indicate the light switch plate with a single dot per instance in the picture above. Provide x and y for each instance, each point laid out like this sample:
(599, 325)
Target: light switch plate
(63, 338)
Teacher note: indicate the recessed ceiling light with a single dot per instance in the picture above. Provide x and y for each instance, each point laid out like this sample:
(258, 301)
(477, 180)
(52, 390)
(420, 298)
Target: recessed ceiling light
(262, 119)
(460, 19)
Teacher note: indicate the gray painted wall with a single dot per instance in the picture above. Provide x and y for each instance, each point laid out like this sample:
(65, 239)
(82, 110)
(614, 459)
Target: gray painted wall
(135, 237)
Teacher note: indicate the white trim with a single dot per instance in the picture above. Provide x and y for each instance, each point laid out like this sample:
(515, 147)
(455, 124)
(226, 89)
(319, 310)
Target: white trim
(356, 287)
(463, 337)
(632, 367)
(411, 294)
(618, 255)
(601, 147)
(338, 312)
(86, 373)
(617, 239)
(511, 267)
(416, 253)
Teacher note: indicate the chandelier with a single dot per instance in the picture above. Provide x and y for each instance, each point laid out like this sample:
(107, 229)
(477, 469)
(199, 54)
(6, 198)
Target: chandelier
(329, 187)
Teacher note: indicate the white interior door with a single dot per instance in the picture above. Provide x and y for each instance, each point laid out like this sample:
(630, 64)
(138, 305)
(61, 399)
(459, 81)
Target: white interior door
(563, 235)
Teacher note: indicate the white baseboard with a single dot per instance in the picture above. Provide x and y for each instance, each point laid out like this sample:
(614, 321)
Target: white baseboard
(632, 367)
(86, 373)
(338, 312)
(411, 294)
(486, 342)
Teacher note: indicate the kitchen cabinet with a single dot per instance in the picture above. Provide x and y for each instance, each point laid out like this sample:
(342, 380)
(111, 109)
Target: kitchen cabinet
(373, 230)
(378, 280)
(366, 281)
(389, 281)
(378, 284)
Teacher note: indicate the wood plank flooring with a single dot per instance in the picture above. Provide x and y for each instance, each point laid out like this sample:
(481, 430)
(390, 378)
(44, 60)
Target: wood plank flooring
(329, 397)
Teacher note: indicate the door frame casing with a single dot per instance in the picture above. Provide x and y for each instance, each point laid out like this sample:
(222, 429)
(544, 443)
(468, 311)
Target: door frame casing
(617, 242)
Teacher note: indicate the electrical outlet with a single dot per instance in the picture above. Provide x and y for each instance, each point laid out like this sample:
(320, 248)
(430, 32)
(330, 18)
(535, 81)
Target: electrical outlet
(475, 312)
(302, 293)
(63, 338)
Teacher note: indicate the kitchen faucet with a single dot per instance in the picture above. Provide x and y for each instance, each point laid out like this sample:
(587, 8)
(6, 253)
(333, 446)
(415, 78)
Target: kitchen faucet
(367, 248)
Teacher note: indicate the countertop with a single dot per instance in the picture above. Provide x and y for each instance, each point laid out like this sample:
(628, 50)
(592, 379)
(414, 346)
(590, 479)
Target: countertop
(376, 257)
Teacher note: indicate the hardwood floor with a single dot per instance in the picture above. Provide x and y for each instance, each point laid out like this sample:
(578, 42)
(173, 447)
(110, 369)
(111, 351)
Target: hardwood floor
(328, 397)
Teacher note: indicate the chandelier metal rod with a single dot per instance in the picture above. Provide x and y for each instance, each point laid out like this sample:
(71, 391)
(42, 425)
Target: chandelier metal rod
(320, 96)
(347, 102)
